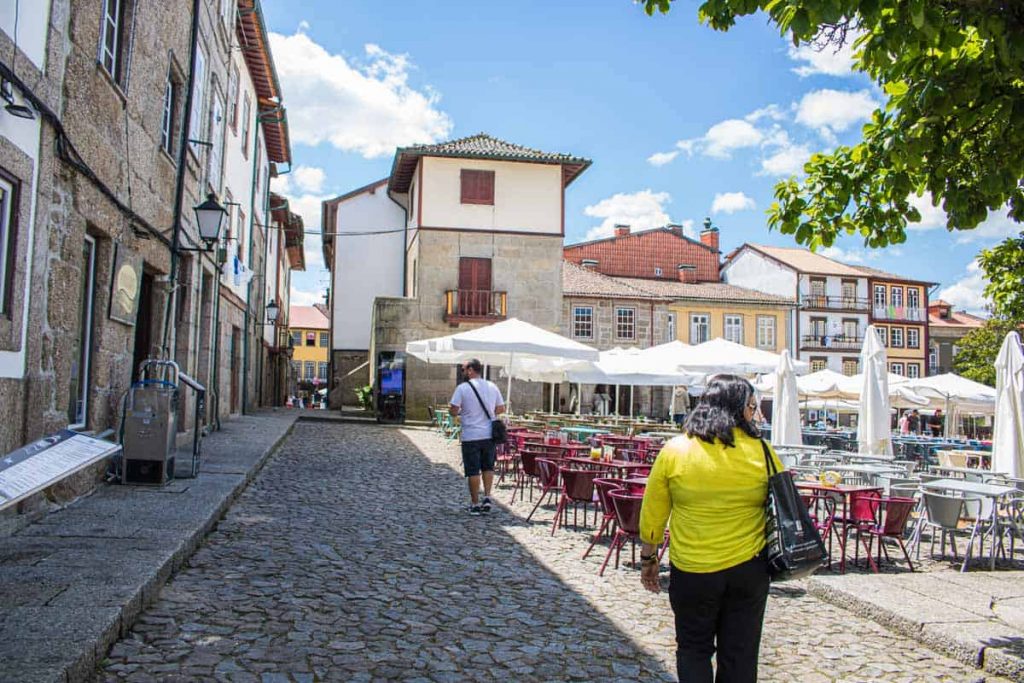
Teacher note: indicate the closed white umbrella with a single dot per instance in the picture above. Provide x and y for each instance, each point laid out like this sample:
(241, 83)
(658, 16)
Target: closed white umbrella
(786, 407)
(874, 435)
(1008, 434)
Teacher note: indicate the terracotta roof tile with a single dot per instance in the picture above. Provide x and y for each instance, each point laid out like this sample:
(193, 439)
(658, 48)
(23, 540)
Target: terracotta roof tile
(718, 291)
(642, 254)
(807, 261)
(307, 318)
(577, 281)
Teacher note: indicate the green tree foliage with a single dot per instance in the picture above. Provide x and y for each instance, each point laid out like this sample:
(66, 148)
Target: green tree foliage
(977, 352)
(953, 125)
(1004, 267)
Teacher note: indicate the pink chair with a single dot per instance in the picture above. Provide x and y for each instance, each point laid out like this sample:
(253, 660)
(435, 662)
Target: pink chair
(577, 489)
(548, 478)
(603, 487)
(627, 516)
(888, 520)
(527, 473)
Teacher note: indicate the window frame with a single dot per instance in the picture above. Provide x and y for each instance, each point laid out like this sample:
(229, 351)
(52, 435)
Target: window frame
(916, 367)
(896, 337)
(774, 332)
(896, 293)
(167, 117)
(883, 333)
(296, 338)
(9, 202)
(215, 158)
(884, 291)
(84, 349)
(577, 322)
(694, 325)
(113, 59)
(897, 368)
(913, 293)
(309, 339)
(479, 192)
(737, 323)
(198, 113)
(325, 339)
(917, 338)
(246, 116)
(322, 370)
(308, 370)
(818, 363)
(621, 324)
(856, 366)
(670, 323)
(233, 86)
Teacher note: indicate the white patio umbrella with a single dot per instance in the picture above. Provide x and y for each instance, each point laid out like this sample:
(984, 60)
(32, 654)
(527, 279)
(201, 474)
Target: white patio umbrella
(719, 356)
(874, 435)
(955, 394)
(1008, 433)
(820, 384)
(786, 408)
(502, 344)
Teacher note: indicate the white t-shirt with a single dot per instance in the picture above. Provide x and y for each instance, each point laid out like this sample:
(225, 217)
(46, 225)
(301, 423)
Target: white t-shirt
(476, 424)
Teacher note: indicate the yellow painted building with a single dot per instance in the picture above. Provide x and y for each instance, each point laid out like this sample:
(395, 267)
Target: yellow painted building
(899, 310)
(310, 332)
(705, 310)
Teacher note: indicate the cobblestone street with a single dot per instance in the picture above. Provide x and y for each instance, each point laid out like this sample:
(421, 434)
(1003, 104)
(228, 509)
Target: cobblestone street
(351, 558)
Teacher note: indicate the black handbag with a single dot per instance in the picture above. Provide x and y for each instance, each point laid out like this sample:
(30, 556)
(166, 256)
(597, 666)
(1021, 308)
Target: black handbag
(794, 548)
(499, 433)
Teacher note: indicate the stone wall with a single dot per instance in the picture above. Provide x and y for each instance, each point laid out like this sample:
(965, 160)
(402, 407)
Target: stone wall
(345, 384)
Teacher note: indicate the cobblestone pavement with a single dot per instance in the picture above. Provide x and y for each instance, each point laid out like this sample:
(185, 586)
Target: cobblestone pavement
(352, 558)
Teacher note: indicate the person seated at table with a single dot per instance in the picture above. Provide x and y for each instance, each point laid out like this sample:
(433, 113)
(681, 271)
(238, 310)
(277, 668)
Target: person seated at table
(935, 422)
(710, 486)
(915, 422)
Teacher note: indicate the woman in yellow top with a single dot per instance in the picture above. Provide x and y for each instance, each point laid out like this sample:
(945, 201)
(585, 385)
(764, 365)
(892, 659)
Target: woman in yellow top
(710, 486)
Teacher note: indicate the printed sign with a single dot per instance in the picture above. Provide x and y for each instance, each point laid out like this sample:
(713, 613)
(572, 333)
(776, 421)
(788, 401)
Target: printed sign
(41, 463)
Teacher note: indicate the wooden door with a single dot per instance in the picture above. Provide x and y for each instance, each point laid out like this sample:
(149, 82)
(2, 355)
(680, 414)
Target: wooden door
(474, 286)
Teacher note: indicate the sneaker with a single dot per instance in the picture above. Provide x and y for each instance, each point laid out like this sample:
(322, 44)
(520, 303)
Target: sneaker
(475, 510)
(485, 506)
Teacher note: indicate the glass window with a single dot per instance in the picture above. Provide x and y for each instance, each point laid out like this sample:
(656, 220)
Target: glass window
(310, 339)
(896, 337)
(913, 338)
(818, 363)
(233, 98)
(246, 114)
(625, 323)
(850, 329)
(657, 272)
(933, 357)
(112, 39)
(883, 334)
(310, 367)
(880, 300)
(913, 370)
(195, 126)
(849, 289)
(817, 287)
(325, 339)
(167, 121)
(213, 159)
(913, 298)
(583, 322)
(851, 366)
(897, 297)
(7, 223)
(296, 339)
(321, 370)
(766, 332)
(734, 328)
(896, 368)
(699, 327)
(78, 400)
(671, 327)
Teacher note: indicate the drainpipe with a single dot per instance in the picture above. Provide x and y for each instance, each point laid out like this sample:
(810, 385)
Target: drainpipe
(248, 286)
(405, 244)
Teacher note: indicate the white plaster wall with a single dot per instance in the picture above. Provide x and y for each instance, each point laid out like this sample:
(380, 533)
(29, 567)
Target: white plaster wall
(834, 286)
(365, 267)
(33, 18)
(527, 197)
(755, 271)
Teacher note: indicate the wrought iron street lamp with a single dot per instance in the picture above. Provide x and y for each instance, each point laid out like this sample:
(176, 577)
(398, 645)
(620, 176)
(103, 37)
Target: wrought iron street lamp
(209, 217)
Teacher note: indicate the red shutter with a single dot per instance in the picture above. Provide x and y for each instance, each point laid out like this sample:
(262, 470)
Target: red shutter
(474, 286)
(477, 187)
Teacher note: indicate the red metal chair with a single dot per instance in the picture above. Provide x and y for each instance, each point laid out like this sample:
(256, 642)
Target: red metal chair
(577, 489)
(889, 517)
(627, 516)
(527, 472)
(603, 486)
(506, 460)
(548, 478)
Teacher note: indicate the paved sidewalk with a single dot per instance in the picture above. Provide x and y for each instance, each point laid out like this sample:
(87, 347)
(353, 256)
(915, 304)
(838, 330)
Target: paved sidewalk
(975, 617)
(72, 583)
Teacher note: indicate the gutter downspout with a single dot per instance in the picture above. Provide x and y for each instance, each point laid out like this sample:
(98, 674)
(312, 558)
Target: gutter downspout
(405, 245)
(179, 181)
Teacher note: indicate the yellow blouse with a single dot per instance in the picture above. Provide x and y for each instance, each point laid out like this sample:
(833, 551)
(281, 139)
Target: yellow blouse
(716, 497)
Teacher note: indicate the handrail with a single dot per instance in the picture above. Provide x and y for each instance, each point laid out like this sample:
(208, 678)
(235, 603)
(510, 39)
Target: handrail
(841, 303)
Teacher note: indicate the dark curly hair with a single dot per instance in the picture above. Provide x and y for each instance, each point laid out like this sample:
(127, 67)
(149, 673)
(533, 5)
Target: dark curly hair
(720, 409)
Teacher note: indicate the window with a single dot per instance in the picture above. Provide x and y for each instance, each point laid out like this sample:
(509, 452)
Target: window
(113, 52)
(8, 230)
(849, 290)
(296, 339)
(933, 357)
(850, 329)
(321, 371)
(817, 287)
(311, 339)
(259, 162)
(241, 235)
(913, 370)
(233, 99)
(78, 399)
(657, 272)
(671, 326)
(625, 323)
(195, 125)
(246, 114)
(310, 367)
(897, 297)
(214, 160)
(913, 298)
(896, 337)
(766, 332)
(167, 121)
(883, 334)
(880, 296)
(913, 338)
(734, 328)
(477, 187)
(819, 328)
(896, 368)
(583, 322)
(850, 367)
(699, 323)
(325, 339)
(818, 363)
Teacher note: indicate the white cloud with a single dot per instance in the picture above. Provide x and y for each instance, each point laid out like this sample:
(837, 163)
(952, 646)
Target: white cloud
(731, 202)
(639, 210)
(772, 111)
(304, 297)
(968, 291)
(365, 107)
(308, 178)
(828, 61)
(661, 158)
(732, 134)
(844, 255)
(833, 111)
(931, 216)
(997, 226)
(786, 160)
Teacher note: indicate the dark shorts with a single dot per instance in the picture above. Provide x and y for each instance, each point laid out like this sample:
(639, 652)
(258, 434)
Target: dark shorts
(478, 456)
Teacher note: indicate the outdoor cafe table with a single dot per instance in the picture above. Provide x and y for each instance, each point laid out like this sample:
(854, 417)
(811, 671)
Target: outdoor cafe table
(845, 492)
(582, 432)
(971, 488)
(622, 466)
(983, 474)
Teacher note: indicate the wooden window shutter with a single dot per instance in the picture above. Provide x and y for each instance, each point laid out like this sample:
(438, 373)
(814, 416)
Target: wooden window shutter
(477, 187)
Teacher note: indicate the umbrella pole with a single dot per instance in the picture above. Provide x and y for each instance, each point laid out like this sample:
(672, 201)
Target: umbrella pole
(579, 399)
(617, 411)
(508, 385)
(552, 402)
(631, 400)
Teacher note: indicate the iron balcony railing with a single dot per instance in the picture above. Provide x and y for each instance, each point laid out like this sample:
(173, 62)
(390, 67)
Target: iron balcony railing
(918, 315)
(467, 305)
(834, 303)
(843, 342)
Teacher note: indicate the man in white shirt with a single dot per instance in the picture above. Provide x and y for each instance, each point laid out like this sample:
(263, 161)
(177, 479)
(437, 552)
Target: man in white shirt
(475, 415)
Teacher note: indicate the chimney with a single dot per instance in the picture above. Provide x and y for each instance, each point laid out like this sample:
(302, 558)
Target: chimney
(676, 229)
(589, 263)
(709, 235)
(687, 273)
(621, 230)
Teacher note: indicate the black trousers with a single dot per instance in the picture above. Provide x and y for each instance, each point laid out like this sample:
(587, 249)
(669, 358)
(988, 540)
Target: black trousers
(722, 610)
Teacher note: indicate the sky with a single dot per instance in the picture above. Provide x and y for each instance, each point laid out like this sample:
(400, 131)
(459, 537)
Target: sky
(681, 122)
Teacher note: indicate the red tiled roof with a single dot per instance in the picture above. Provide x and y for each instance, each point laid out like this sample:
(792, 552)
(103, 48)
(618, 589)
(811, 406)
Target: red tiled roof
(640, 253)
(253, 39)
(307, 318)
(577, 281)
(704, 291)
(956, 319)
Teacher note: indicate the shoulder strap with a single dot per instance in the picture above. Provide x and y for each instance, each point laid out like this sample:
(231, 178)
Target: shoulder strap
(769, 463)
(487, 412)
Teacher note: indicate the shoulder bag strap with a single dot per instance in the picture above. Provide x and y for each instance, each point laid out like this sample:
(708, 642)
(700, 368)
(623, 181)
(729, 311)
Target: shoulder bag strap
(769, 463)
(487, 412)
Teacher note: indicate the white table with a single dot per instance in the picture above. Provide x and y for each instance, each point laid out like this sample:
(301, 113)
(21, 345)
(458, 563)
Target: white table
(985, 474)
(993, 491)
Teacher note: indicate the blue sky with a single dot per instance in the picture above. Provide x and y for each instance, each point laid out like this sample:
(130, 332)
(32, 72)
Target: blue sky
(681, 122)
